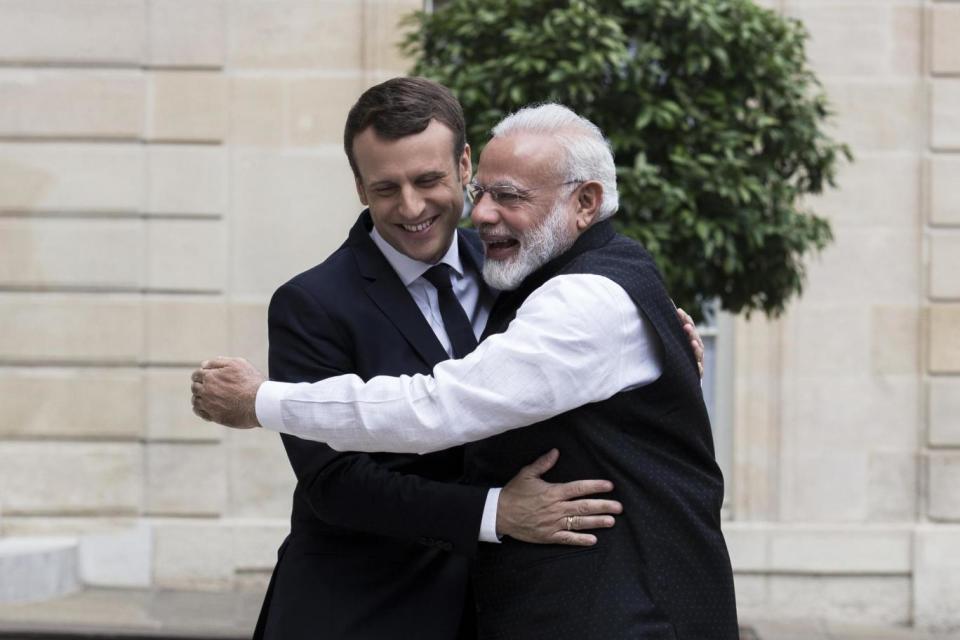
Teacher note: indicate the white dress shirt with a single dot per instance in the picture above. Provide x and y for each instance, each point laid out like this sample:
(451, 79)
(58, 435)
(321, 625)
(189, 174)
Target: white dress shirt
(577, 339)
(477, 307)
(465, 286)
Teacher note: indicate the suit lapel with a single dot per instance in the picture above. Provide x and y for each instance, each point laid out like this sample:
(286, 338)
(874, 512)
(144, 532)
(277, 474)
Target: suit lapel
(471, 254)
(388, 292)
(471, 251)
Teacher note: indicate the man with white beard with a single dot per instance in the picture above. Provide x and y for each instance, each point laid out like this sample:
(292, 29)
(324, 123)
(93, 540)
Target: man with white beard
(537, 246)
(583, 352)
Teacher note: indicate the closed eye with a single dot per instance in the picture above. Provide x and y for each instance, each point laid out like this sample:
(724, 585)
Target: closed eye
(430, 180)
(507, 198)
(385, 191)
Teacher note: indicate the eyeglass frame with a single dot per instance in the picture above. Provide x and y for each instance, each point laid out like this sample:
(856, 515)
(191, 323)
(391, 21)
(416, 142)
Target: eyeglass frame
(498, 192)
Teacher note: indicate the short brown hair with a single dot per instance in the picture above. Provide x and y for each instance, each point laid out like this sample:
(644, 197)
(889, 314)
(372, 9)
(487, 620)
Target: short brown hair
(403, 107)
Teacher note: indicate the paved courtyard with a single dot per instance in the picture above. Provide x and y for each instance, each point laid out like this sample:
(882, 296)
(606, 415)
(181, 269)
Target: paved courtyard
(186, 615)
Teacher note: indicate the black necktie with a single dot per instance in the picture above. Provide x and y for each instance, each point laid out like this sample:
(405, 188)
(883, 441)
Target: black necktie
(455, 319)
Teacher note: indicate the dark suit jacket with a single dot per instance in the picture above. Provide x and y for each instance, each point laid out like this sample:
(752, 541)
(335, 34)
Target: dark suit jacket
(380, 543)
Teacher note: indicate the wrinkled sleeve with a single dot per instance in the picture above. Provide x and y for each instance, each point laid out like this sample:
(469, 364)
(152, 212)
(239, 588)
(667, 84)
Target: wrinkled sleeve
(577, 339)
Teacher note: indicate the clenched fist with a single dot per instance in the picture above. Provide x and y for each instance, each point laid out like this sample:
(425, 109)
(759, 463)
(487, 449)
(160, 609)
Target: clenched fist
(224, 390)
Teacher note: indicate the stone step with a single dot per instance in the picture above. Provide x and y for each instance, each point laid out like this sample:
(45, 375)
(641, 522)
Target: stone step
(135, 614)
(35, 632)
(37, 569)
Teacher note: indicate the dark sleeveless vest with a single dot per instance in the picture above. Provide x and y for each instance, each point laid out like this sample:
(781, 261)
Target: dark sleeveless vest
(663, 571)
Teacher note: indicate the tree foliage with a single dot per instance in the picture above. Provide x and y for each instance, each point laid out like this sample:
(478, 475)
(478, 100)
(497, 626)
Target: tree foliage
(716, 122)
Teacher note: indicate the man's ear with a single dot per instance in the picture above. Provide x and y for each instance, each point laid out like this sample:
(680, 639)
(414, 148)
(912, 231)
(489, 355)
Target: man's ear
(589, 199)
(361, 192)
(465, 166)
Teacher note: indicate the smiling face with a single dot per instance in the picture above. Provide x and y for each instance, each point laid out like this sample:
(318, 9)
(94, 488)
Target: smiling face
(536, 217)
(413, 188)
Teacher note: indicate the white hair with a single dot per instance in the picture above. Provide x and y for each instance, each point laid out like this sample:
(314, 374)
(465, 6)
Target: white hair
(588, 153)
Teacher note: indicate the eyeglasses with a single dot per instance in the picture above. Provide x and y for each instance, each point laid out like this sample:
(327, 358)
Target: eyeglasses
(506, 195)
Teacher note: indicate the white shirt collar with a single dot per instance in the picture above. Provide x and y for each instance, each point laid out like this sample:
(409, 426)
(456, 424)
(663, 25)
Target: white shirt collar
(409, 269)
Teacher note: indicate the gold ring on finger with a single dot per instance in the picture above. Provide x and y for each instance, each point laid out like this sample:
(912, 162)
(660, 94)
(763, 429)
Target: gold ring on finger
(569, 523)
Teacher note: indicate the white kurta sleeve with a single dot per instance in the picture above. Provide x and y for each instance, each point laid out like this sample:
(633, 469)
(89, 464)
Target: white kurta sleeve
(577, 339)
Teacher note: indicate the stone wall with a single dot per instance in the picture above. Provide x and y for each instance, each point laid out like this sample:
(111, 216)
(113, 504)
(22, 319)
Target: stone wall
(937, 561)
(846, 489)
(165, 164)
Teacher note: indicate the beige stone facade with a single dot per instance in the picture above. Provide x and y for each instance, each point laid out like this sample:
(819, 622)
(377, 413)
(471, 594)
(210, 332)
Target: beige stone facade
(845, 443)
(165, 164)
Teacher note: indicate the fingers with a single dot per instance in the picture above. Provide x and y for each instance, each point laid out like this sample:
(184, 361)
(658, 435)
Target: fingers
(689, 326)
(197, 376)
(198, 409)
(594, 506)
(697, 349)
(585, 523)
(197, 403)
(542, 464)
(580, 488)
(574, 539)
(695, 340)
(216, 363)
(569, 526)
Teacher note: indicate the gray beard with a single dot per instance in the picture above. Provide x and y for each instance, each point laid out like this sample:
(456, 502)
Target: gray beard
(537, 247)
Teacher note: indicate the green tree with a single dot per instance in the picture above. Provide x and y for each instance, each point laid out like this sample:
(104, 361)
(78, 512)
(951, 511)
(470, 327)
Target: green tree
(715, 119)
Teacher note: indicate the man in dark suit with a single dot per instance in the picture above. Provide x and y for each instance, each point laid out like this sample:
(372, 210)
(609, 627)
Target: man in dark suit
(380, 544)
(582, 351)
